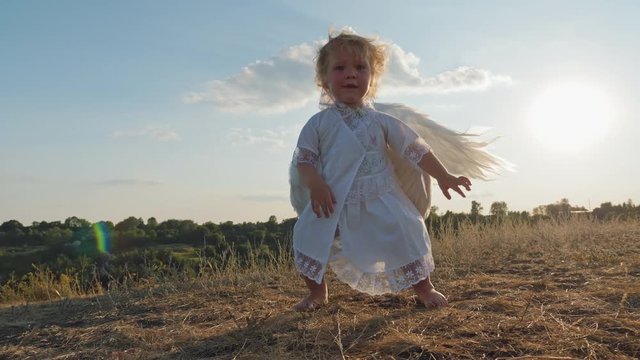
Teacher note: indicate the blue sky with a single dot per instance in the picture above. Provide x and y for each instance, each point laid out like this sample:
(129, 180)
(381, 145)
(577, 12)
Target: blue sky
(190, 110)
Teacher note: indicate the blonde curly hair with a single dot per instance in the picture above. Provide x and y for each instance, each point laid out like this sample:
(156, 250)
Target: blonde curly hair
(363, 48)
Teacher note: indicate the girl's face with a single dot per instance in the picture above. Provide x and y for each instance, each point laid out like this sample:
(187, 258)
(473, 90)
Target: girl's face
(348, 78)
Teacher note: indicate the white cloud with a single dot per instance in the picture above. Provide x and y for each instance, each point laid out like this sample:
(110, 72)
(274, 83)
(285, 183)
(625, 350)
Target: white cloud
(158, 133)
(403, 76)
(281, 83)
(286, 81)
(279, 138)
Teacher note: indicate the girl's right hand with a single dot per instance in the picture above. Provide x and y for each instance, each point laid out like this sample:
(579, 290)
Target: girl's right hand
(322, 199)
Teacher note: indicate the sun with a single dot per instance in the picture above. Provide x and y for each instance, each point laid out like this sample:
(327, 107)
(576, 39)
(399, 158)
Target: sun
(570, 116)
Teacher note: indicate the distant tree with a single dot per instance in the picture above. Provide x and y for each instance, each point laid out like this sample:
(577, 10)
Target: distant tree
(12, 233)
(519, 215)
(43, 225)
(218, 241)
(565, 206)
(540, 210)
(434, 210)
(128, 224)
(191, 233)
(272, 224)
(129, 239)
(226, 226)
(74, 222)
(213, 228)
(57, 236)
(625, 210)
(152, 222)
(476, 209)
(11, 225)
(561, 209)
(499, 209)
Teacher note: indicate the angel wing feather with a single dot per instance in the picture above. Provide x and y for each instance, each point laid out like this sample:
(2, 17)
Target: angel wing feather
(461, 153)
(298, 192)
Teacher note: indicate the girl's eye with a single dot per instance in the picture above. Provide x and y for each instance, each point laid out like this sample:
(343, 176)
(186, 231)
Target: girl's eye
(338, 67)
(361, 67)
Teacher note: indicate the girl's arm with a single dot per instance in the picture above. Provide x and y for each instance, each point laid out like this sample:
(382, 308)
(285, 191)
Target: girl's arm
(322, 199)
(432, 166)
(405, 141)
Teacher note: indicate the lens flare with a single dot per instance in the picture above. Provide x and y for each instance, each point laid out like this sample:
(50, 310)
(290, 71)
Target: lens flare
(103, 240)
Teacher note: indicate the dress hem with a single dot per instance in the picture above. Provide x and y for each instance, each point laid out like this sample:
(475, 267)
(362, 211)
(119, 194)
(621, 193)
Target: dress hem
(384, 282)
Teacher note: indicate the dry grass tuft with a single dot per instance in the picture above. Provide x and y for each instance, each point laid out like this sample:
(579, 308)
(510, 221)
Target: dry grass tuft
(566, 290)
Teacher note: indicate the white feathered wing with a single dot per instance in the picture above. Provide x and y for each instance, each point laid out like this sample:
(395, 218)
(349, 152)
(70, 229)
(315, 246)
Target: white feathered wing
(460, 153)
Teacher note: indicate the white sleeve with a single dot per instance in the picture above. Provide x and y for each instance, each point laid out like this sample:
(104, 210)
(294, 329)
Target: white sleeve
(403, 140)
(308, 148)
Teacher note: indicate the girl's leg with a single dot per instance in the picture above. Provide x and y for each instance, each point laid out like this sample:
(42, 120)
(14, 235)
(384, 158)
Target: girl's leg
(318, 295)
(428, 295)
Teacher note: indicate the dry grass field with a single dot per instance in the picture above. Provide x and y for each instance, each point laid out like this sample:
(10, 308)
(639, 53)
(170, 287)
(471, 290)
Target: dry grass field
(568, 290)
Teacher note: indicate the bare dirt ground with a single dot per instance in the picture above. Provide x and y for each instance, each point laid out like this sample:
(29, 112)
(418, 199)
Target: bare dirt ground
(564, 302)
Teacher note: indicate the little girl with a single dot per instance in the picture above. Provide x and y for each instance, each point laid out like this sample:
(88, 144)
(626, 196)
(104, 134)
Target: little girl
(354, 211)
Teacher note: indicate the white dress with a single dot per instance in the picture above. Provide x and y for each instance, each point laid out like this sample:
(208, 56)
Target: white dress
(381, 243)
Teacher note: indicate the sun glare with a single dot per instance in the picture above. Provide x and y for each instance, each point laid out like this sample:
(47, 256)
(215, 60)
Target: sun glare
(570, 116)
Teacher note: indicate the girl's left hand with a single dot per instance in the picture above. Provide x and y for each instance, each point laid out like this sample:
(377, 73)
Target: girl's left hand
(454, 183)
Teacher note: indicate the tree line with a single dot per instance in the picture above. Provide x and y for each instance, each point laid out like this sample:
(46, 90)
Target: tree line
(135, 246)
(79, 235)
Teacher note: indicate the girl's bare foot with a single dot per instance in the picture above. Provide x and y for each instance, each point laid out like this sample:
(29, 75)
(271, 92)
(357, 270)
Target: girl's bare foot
(428, 295)
(318, 296)
(310, 303)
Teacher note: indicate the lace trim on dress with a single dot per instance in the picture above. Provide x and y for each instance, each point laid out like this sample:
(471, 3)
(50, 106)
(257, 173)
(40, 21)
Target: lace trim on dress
(353, 121)
(370, 187)
(373, 162)
(351, 115)
(390, 281)
(308, 266)
(416, 150)
(304, 156)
